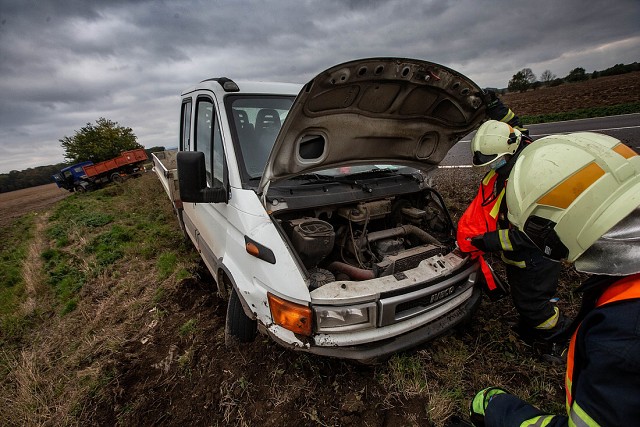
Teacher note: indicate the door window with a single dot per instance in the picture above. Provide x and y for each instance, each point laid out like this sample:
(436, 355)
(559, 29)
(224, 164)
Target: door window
(209, 141)
(185, 126)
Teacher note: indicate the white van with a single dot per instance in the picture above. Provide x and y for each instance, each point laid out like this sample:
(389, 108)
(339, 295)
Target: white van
(311, 205)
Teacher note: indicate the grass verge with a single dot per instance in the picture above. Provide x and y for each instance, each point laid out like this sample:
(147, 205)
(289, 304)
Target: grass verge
(14, 245)
(97, 273)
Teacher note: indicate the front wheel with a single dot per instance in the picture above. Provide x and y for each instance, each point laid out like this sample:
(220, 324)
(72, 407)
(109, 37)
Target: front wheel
(239, 327)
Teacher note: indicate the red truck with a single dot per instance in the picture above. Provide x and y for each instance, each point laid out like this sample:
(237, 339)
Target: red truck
(87, 175)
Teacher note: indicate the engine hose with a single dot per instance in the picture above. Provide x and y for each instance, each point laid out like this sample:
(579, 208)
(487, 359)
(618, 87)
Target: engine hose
(444, 208)
(353, 272)
(402, 230)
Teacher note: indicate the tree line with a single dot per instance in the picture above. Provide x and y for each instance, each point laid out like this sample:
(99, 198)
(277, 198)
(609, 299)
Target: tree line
(525, 79)
(17, 180)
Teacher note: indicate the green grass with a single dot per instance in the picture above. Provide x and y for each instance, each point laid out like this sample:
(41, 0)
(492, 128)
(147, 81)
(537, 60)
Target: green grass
(65, 276)
(14, 241)
(405, 375)
(583, 113)
(188, 327)
(111, 245)
(166, 264)
(96, 232)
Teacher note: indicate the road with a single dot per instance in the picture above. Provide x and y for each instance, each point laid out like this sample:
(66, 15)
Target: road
(625, 127)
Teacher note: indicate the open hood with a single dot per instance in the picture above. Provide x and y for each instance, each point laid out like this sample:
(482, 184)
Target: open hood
(375, 111)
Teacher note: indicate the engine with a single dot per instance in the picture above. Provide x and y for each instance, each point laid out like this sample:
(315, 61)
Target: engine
(369, 239)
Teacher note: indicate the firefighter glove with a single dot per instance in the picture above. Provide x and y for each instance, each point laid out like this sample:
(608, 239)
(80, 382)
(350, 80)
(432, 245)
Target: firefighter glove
(487, 242)
(490, 98)
(480, 402)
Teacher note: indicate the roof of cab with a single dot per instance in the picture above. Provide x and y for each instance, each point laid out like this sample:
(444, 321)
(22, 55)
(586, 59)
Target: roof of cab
(267, 88)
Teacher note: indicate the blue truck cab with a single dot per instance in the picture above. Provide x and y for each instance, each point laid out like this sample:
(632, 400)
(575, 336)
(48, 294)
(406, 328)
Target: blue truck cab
(71, 177)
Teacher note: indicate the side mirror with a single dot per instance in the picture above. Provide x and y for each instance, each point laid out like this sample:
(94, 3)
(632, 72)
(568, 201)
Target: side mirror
(192, 180)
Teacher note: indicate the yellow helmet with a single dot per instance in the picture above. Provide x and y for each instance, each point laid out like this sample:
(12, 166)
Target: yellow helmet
(577, 197)
(492, 141)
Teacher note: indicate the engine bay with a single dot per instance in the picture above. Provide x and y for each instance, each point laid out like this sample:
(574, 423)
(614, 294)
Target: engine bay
(369, 239)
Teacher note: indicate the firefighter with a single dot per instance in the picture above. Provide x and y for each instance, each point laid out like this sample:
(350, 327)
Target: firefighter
(484, 227)
(577, 197)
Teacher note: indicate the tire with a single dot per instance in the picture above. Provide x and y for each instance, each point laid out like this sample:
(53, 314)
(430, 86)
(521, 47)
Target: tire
(239, 327)
(116, 177)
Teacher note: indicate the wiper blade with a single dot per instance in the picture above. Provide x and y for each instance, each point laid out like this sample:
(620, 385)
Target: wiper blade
(374, 172)
(312, 176)
(339, 180)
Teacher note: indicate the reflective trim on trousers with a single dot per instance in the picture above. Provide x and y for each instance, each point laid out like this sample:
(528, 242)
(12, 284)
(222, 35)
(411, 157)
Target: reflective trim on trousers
(551, 321)
(539, 421)
(579, 418)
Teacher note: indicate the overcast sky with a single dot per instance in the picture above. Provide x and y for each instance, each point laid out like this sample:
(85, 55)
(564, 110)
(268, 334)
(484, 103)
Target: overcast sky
(67, 63)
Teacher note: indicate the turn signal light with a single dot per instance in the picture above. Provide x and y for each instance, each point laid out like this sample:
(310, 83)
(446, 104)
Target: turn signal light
(289, 315)
(259, 251)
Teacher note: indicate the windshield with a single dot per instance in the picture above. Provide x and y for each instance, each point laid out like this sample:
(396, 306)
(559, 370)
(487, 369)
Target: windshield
(256, 121)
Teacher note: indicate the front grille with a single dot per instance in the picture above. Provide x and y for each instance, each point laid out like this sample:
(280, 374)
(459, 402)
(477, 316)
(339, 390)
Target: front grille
(400, 307)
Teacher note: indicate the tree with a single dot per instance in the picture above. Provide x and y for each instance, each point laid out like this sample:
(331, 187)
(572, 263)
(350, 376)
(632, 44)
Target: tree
(102, 141)
(518, 82)
(528, 75)
(522, 80)
(577, 75)
(547, 76)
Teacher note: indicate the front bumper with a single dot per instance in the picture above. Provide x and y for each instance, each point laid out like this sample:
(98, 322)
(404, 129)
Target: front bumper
(424, 333)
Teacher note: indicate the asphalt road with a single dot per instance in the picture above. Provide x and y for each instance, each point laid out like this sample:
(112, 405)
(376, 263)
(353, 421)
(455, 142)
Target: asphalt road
(625, 127)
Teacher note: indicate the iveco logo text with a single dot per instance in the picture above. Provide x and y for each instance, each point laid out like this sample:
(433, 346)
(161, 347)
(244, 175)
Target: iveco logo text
(442, 294)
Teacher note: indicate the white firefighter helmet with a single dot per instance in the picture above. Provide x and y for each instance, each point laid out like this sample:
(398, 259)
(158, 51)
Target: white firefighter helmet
(577, 197)
(492, 141)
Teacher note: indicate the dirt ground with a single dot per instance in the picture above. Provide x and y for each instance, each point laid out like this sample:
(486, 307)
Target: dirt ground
(600, 92)
(35, 199)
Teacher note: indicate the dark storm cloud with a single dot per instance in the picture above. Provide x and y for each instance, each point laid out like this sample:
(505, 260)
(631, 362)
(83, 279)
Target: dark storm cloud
(63, 64)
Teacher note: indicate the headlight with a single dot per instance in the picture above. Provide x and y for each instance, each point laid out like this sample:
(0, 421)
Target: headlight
(342, 319)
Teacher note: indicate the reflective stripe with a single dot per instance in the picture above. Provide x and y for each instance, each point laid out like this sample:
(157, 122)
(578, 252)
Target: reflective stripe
(496, 207)
(551, 321)
(624, 151)
(488, 177)
(579, 418)
(504, 240)
(510, 115)
(519, 264)
(539, 421)
(567, 384)
(563, 194)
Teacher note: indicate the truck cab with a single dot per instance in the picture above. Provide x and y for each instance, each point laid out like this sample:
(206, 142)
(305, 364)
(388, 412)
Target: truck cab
(69, 177)
(311, 205)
